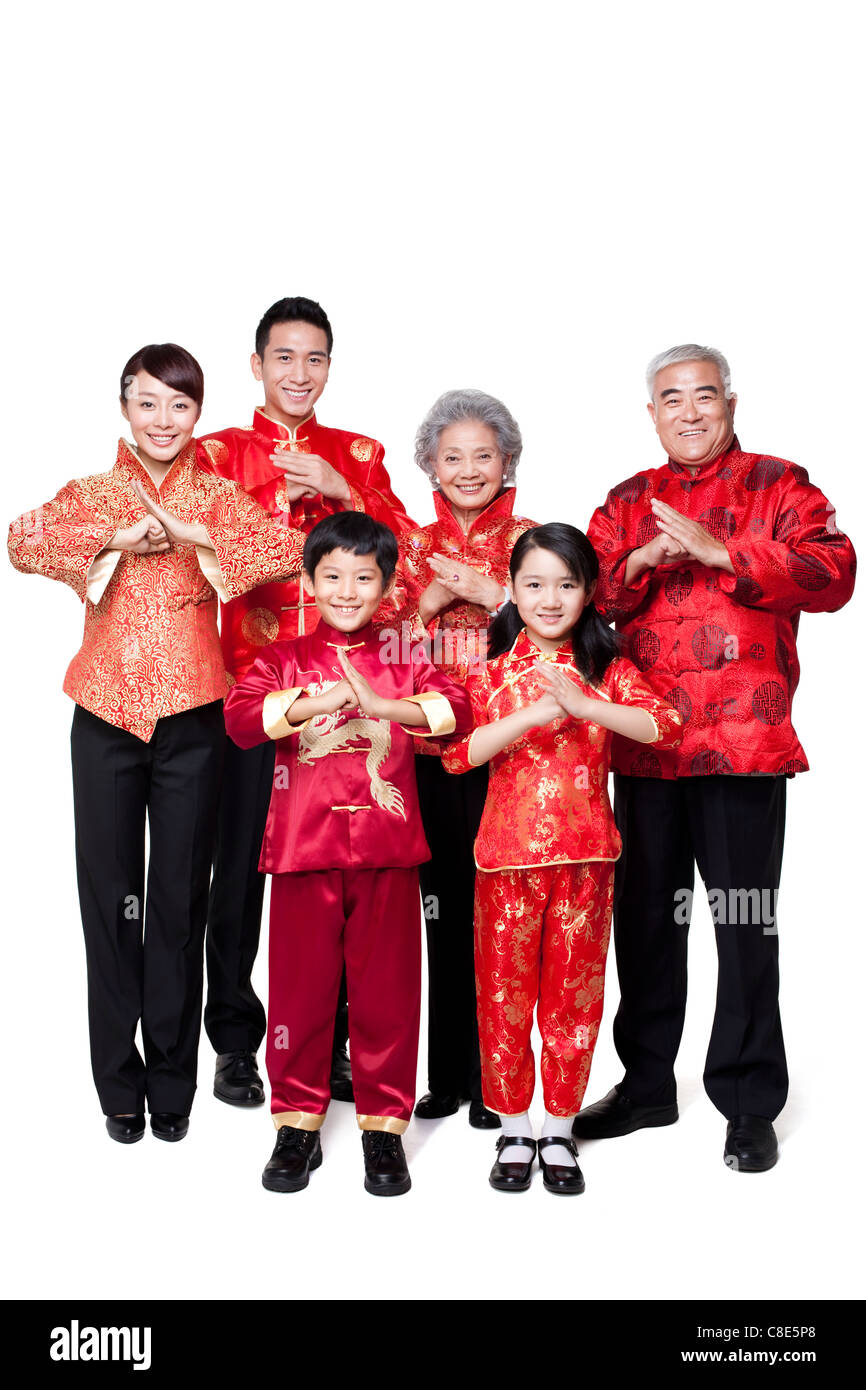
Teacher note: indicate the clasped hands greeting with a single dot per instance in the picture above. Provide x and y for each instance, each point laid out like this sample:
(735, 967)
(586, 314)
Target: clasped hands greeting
(309, 474)
(681, 538)
(158, 531)
(454, 579)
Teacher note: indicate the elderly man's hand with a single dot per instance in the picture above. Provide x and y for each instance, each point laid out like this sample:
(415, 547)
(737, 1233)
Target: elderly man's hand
(692, 536)
(311, 473)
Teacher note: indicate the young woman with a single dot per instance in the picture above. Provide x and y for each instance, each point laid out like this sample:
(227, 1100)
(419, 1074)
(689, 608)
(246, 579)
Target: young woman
(148, 547)
(549, 700)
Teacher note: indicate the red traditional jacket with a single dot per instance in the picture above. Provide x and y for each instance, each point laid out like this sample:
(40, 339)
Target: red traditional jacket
(151, 646)
(720, 647)
(458, 633)
(344, 792)
(279, 611)
(547, 800)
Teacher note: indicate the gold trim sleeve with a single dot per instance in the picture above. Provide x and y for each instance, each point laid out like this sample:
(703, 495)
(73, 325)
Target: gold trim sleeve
(437, 711)
(275, 711)
(210, 568)
(657, 735)
(387, 1123)
(298, 1119)
(103, 567)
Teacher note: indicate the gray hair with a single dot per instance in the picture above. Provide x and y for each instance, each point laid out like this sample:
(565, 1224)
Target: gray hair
(688, 352)
(455, 406)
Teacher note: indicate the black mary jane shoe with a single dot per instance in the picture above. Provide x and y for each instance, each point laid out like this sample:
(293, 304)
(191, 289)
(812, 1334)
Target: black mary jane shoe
(482, 1118)
(560, 1177)
(513, 1177)
(237, 1080)
(297, 1154)
(386, 1173)
(166, 1125)
(126, 1129)
(433, 1107)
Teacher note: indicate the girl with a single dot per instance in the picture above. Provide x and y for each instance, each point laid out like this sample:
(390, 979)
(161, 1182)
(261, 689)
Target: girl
(549, 700)
(148, 547)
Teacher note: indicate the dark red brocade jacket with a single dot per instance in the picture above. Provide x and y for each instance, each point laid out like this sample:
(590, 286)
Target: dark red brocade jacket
(722, 648)
(344, 794)
(273, 612)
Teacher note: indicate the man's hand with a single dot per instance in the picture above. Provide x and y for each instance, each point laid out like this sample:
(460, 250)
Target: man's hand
(462, 581)
(695, 539)
(661, 550)
(178, 532)
(146, 537)
(312, 474)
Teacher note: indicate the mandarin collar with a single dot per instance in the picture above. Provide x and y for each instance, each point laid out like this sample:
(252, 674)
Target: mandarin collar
(523, 648)
(275, 430)
(707, 470)
(502, 505)
(335, 638)
(128, 461)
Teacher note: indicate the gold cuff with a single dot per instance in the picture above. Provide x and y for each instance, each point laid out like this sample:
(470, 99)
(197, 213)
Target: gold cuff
(275, 710)
(101, 570)
(389, 1123)
(297, 1119)
(210, 568)
(437, 711)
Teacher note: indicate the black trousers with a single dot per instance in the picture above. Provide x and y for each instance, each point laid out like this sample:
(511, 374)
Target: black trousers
(451, 809)
(734, 828)
(234, 1017)
(144, 947)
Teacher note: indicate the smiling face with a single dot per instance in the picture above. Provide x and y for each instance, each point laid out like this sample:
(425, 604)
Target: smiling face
(161, 418)
(293, 370)
(548, 597)
(469, 466)
(692, 418)
(347, 588)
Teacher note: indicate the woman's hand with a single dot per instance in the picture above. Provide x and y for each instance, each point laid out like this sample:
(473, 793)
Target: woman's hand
(434, 598)
(177, 531)
(462, 581)
(571, 698)
(146, 537)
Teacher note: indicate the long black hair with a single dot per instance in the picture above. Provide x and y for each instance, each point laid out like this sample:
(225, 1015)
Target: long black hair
(595, 645)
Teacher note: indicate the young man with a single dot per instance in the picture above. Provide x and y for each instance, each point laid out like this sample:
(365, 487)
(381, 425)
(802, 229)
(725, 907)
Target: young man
(299, 471)
(343, 841)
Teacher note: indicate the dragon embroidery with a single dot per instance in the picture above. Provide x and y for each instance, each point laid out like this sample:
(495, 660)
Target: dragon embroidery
(325, 735)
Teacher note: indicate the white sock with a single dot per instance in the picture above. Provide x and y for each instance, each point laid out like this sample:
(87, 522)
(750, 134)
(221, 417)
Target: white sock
(560, 1126)
(515, 1124)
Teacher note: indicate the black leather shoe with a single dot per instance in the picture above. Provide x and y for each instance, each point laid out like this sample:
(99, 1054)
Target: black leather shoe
(236, 1079)
(617, 1115)
(126, 1129)
(341, 1076)
(512, 1177)
(750, 1144)
(432, 1107)
(560, 1177)
(165, 1125)
(297, 1153)
(480, 1117)
(385, 1170)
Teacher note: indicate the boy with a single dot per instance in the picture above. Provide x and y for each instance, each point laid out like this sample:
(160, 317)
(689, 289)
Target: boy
(299, 471)
(343, 841)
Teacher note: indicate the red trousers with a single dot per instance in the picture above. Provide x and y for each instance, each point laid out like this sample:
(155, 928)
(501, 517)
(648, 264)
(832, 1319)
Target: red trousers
(540, 935)
(371, 919)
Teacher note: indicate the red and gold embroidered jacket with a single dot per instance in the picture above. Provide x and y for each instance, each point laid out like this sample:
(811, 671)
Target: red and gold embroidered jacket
(547, 800)
(344, 793)
(280, 611)
(720, 647)
(458, 633)
(151, 646)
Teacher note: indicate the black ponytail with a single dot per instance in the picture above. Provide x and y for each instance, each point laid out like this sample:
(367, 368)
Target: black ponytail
(594, 643)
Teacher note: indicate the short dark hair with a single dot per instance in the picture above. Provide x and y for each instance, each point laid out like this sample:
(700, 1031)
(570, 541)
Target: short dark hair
(355, 532)
(293, 311)
(170, 364)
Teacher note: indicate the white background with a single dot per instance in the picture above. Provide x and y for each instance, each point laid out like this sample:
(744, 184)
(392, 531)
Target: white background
(530, 199)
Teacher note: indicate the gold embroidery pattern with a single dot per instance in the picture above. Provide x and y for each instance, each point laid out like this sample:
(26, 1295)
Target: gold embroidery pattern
(362, 450)
(260, 626)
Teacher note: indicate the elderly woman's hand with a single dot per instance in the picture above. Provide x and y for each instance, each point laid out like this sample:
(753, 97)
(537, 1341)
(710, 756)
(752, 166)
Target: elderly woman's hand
(462, 581)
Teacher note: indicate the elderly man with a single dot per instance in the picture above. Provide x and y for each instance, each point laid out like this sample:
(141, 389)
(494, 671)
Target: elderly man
(706, 565)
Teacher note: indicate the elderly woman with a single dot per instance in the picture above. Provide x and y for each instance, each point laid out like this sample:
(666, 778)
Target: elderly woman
(454, 572)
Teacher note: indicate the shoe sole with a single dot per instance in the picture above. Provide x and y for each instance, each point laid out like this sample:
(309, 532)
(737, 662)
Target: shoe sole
(394, 1190)
(169, 1138)
(125, 1139)
(565, 1191)
(235, 1100)
(732, 1162)
(275, 1184)
(590, 1131)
